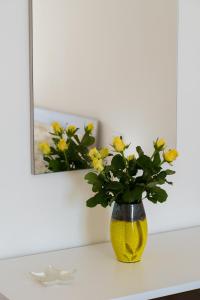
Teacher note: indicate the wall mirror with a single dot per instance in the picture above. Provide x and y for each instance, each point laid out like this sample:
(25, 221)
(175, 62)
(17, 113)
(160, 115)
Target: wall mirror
(107, 64)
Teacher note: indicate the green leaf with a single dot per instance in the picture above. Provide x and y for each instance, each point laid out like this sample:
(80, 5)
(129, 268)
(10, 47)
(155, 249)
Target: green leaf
(157, 195)
(91, 178)
(157, 160)
(160, 176)
(137, 193)
(170, 172)
(105, 201)
(95, 180)
(76, 138)
(139, 151)
(145, 162)
(133, 196)
(57, 165)
(154, 183)
(46, 158)
(117, 163)
(169, 182)
(99, 198)
(56, 140)
(55, 134)
(97, 186)
(114, 186)
(132, 167)
(87, 140)
(128, 197)
(92, 202)
(54, 151)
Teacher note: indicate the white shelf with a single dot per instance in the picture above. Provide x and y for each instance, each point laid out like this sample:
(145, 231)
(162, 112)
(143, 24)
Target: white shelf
(171, 264)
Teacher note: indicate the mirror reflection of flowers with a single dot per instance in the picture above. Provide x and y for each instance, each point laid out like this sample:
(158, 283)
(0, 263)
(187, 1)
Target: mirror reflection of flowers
(129, 178)
(68, 150)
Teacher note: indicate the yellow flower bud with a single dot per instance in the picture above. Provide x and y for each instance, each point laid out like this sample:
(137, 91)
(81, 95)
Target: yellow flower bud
(89, 128)
(170, 155)
(57, 128)
(62, 145)
(159, 144)
(71, 129)
(131, 157)
(45, 148)
(104, 152)
(118, 144)
(94, 153)
(98, 164)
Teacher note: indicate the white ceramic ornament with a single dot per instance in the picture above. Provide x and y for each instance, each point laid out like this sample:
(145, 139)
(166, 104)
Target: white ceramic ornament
(53, 276)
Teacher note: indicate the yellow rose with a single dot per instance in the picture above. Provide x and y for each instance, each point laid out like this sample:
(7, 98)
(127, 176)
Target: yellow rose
(131, 157)
(170, 155)
(57, 128)
(71, 129)
(104, 152)
(118, 144)
(89, 128)
(45, 148)
(160, 144)
(62, 145)
(94, 153)
(98, 164)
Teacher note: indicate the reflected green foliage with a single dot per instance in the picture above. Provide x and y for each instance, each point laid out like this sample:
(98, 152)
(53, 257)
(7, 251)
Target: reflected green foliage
(67, 150)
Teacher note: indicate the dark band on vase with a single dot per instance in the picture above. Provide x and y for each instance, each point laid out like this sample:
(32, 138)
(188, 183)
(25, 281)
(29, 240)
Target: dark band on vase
(128, 212)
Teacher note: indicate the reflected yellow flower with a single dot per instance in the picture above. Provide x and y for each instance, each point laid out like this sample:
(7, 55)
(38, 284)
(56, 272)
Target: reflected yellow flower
(131, 157)
(170, 155)
(89, 128)
(45, 148)
(98, 164)
(57, 128)
(118, 144)
(104, 152)
(94, 153)
(71, 129)
(62, 145)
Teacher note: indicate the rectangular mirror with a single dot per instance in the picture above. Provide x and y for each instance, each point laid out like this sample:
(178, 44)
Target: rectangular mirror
(114, 61)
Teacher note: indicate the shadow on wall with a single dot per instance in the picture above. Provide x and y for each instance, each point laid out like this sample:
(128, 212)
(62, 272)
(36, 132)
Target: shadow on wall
(94, 222)
(97, 224)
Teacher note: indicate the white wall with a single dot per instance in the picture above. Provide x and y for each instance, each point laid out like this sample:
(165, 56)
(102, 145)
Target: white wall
(183, 207)
(39, 213)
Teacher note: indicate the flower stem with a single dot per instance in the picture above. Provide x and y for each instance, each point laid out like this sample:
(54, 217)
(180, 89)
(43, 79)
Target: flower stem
(67, 163)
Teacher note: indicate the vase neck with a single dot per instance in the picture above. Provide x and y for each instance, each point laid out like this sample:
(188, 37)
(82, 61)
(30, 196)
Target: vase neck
(128, 212)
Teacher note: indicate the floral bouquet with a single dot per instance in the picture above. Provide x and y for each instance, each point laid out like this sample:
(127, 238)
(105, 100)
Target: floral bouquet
(67, 150)
(129, 179)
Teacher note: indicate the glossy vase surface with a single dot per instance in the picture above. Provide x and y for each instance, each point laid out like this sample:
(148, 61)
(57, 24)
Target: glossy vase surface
(128, 229)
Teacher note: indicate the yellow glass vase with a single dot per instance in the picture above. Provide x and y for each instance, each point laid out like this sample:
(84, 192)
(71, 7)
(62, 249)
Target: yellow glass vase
(128, 229)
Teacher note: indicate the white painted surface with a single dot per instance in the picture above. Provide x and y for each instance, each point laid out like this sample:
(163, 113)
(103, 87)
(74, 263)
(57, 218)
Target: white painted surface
(170, 265)
(40, 213)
